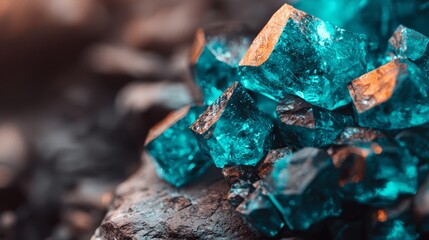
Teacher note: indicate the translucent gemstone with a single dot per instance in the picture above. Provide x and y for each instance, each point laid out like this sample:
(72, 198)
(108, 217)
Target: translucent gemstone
(296, 53)
(375, 173)
(215, 59)
(233, 131)
(261, 213)
(304, 188)
(410, 44)
(394, 96)
(175, 150)
(302, 124)
(394, 223)
(352, 135)
(376, 18)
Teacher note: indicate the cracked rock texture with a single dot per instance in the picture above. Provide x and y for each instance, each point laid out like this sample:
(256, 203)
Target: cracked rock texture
(145, 207)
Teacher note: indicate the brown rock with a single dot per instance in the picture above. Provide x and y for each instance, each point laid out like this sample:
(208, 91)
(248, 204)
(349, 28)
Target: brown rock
(147, 208)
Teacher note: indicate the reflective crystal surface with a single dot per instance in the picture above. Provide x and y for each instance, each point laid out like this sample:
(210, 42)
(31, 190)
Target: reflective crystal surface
(233, 131)
(376, 173)
(215, 59)
(410, 44)
(302, 124)
(304, 188)
(296, 53)
(394, 96)
(261, 213)
(171, 144)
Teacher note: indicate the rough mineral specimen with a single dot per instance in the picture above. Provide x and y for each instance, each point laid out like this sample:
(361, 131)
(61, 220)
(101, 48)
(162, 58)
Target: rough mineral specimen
(416, 141)
(296, 53)
(261, 213)
(376, 173)
(352, 135)
(302, 124)
(215, 59)
(172, 145)
(394, 96)
(412, 45)
(304, 188)
(233, 131)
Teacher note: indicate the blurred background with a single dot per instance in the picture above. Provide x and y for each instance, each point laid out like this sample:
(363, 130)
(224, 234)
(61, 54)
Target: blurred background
(82, 81)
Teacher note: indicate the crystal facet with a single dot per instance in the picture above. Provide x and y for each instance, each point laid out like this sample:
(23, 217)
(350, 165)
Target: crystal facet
(263, 215)
(394, 96)
(215, 61)
(233, 131)
(296, 53)
(352, 135)
(172, 145)
(302, 124)
(376, 173)
(304, 187)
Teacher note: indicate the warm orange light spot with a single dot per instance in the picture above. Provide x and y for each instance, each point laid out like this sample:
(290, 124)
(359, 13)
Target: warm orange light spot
(198, 45)
(375, 87)
(262, 46)
(376, 148)
(381, 215)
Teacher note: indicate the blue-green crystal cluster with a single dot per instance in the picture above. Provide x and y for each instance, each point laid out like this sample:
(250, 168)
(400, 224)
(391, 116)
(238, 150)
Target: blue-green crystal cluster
(320, 132)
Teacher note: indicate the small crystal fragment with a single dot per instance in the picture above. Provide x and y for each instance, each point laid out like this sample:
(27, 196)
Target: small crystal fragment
(394, 96)
(261, 213)
(296, 53)
(352, 135)
(215, 60)
(266, 166)
(375, 173)
(240, 191)
(304, 188)
(234, 174)
(172, 145)
(412, 45)
(233, 131)
(302, 124)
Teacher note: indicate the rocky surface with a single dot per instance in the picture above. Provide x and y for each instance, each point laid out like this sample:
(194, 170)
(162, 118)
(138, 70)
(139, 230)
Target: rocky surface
(145, 207)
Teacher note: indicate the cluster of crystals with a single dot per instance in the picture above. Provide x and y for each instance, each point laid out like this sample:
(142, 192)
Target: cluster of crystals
(318, 134)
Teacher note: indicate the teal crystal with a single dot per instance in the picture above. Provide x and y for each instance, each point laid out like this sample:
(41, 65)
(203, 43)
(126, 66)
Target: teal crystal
(394, 96)
(215, 64)
(376, 173)
(233, 131)
(261, 213)
(304, 125)
(416, 141)
(299, 54)
(304, 187)
(174, 149)
(376, 18)
(412, 45)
